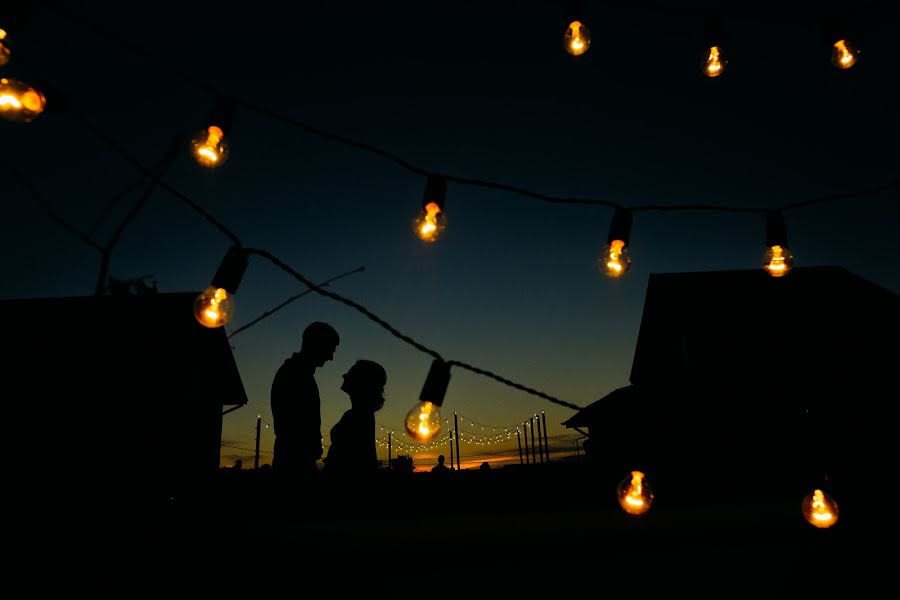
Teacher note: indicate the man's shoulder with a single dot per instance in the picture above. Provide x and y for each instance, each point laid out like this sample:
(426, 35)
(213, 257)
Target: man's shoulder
(293, 365)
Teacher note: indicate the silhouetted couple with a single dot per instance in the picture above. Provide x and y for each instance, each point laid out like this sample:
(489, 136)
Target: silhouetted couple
(296, 412)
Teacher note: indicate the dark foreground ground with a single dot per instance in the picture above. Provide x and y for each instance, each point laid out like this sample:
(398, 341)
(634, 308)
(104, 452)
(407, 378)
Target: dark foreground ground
(556, 525)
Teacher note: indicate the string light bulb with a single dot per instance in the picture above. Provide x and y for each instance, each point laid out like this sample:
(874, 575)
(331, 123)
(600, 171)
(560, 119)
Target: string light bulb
(714, 59)
(778, 258)
(577, 38)
(429, 223)
(615, 259)
(214, 306)
(4, 49)
(209, 146)
(635, 494)
(19, 102)
(714, 64)
(843, 54)
(819, 509)
(423, 421)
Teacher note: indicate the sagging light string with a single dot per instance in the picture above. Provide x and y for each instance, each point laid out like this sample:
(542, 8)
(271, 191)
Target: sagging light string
(237, 258)
(430, 221)
(234, 263)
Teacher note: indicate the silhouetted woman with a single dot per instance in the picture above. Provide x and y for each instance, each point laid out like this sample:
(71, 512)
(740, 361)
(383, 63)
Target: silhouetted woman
(352, 450)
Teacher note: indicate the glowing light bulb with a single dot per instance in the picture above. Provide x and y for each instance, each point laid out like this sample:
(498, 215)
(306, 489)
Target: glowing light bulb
(210, 147)
(429, 223)
(214, 307)
(819, 509)
(4, 49)
(715, 62)
(614, 259)
(843, 55)
(423, 422)
(19, 102)
(635, 495)
(778, 260)
(577, 38)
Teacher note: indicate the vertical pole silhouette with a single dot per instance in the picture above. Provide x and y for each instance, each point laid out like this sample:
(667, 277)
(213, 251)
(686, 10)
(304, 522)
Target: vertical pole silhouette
(389, 449)
(546, 439)
(456, 435)
(258, 426)
(540, 438)
(519, 439)
(533, 447)
(525, 426)
(450, 435)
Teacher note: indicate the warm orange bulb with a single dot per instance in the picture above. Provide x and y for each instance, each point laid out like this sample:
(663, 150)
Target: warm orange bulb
(843, 55)
(429, 223)
(19, 101)
(819, 509)
(4, 50)
(614, 259)
(635, 495)
(210, 147)
(214, 307)
(423, 422)
(778, 260)
(577, 38)
(714, 64)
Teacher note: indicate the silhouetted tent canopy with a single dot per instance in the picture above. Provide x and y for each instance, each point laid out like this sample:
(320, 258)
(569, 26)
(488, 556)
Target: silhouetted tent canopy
(756, 382)
(818, 322)
(130, 383)
(614, 403)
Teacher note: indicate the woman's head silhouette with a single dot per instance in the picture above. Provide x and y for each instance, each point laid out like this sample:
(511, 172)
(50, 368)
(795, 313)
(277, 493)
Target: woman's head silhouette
(364, 383)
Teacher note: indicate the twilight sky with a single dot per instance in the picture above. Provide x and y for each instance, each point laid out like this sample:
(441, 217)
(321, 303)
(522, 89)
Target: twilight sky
(472, 89)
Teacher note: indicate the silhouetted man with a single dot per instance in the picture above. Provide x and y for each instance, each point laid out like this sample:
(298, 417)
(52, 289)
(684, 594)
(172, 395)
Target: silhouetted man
(440, 467)
(296, 409)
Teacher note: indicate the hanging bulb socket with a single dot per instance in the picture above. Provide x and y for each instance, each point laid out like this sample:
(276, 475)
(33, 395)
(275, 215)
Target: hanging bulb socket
(222, 115)
(435, 191)
(436, 383)
(713, 32)
(620, 227)
(231, 270)
(776, 233)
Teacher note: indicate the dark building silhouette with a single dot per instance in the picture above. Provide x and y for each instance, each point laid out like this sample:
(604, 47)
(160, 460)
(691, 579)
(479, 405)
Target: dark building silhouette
(750, 387)
(122, 395)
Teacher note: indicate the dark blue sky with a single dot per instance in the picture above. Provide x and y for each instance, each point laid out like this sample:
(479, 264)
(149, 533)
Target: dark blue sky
(475, 91)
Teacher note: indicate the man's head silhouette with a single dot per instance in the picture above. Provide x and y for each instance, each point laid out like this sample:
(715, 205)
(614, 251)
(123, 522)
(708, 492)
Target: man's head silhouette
(319, 342)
